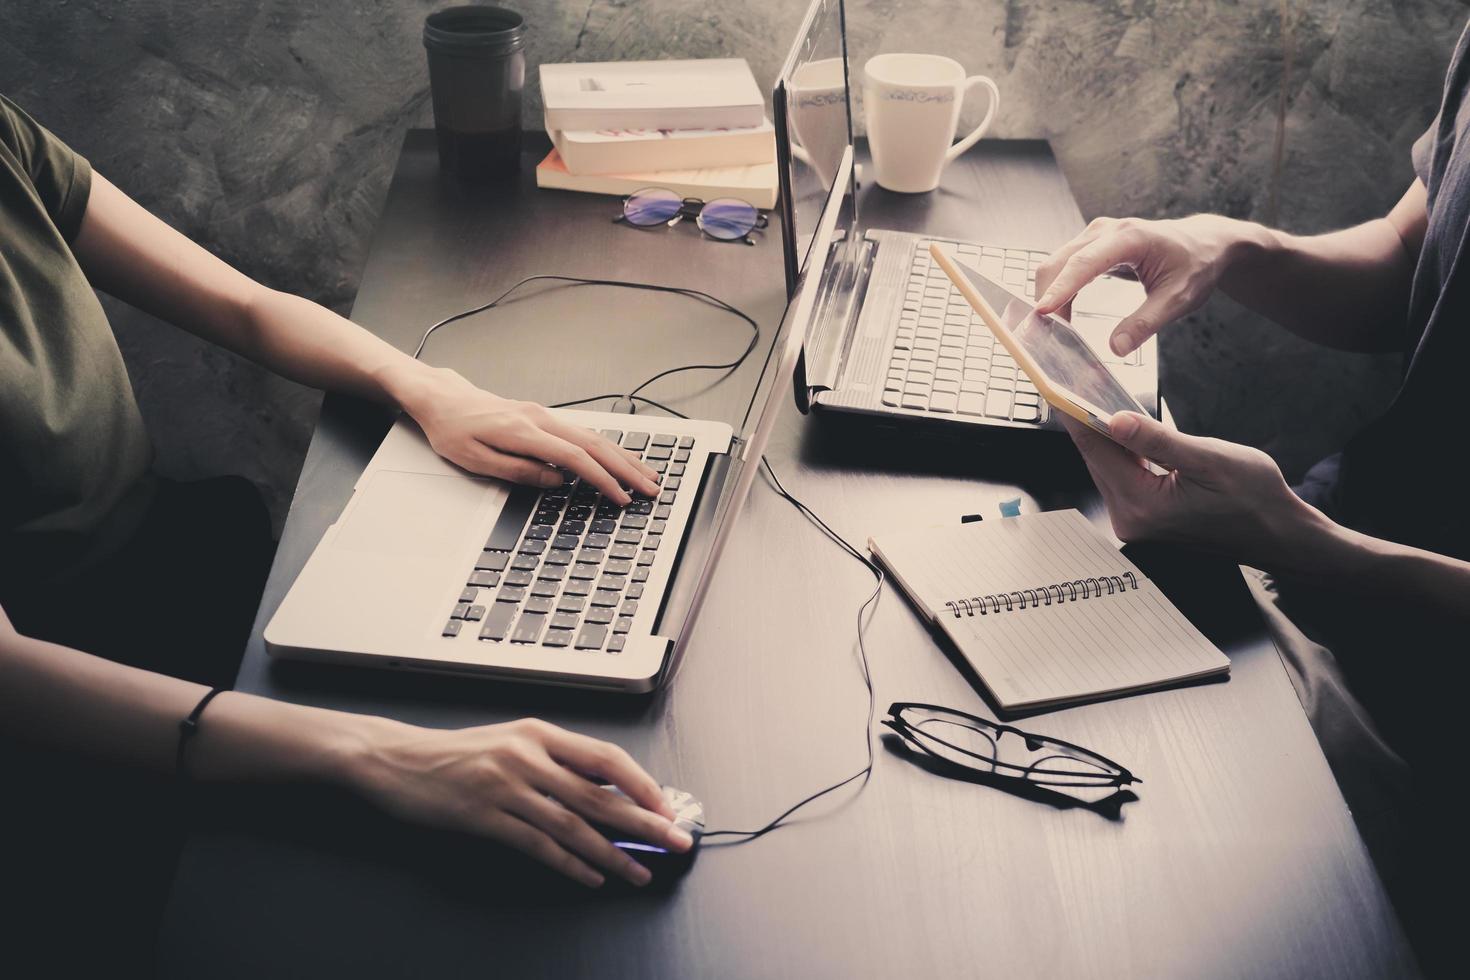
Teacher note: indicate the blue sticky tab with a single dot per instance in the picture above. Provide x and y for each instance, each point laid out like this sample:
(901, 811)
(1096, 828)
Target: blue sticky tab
(1010, 508)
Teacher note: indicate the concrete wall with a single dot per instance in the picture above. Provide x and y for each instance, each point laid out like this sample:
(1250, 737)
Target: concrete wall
(267, 129)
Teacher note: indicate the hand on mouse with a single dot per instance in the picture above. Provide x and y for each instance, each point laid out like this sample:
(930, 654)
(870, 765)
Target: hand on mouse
(515, 440)
(527, 784)
(1217, 495)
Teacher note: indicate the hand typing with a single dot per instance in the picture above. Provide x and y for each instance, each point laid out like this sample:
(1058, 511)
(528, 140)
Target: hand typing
(516, 441)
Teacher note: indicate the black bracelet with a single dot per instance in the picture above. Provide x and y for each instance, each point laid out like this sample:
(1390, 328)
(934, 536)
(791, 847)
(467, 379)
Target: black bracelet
(189, 727)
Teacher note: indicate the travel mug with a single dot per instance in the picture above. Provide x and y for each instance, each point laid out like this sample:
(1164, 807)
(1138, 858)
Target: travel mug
(477, 69)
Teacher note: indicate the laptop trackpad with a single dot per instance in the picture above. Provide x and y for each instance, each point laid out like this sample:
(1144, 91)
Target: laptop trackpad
(413, 515)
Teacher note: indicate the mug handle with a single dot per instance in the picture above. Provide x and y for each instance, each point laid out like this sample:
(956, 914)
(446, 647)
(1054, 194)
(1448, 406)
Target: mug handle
(979, 130)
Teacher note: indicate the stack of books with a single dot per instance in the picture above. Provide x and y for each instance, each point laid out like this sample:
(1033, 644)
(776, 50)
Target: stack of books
(696, 127)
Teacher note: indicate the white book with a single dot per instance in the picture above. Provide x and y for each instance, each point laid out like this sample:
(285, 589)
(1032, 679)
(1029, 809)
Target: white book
(1046, 610)
(710, 92)
(755, 183)
(616, 151)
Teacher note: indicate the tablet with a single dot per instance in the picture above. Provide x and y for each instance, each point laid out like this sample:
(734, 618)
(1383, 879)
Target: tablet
(1064, 368)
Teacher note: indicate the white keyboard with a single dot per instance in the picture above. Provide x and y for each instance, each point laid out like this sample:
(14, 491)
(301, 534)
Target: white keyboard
(945, 360)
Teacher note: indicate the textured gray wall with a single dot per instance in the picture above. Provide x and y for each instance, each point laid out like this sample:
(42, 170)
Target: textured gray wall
(267, 131)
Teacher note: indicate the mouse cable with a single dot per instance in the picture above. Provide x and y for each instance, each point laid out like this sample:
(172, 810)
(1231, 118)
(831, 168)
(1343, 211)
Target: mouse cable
(695, 294)
(635, 398)
(746, 836)
(863, 614)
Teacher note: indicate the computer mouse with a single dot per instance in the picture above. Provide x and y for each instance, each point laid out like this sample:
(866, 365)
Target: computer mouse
(662, 862)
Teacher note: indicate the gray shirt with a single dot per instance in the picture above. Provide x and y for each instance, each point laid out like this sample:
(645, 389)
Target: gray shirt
(1406, 477)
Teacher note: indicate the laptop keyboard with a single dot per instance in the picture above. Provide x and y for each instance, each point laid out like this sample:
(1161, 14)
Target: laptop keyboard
(945, 359)
(567, 568)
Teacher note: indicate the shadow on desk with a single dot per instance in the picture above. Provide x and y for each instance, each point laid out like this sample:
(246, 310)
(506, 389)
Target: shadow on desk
(1208, 589)
(1045, 465)
(338, 682)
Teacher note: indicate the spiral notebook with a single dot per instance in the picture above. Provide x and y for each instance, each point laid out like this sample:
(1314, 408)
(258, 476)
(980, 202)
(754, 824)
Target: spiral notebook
(1046, 610)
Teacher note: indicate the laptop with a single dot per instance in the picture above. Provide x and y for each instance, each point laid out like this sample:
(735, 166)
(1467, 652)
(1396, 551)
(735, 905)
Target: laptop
(893, 339)
(431, 568)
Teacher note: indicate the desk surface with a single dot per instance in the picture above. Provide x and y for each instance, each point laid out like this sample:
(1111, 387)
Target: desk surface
(1238, 858)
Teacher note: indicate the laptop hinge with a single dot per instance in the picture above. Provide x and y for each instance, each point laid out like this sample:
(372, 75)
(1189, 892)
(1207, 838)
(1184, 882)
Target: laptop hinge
(838, 308)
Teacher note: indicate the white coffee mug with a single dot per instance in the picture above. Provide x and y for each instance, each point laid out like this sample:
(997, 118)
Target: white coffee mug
(912, 106)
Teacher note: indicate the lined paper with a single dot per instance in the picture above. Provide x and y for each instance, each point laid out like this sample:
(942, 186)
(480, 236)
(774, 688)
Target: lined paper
(1048, 654)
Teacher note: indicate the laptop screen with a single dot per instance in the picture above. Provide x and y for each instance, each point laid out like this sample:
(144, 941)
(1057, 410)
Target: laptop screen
(813, 127)
(765, 407)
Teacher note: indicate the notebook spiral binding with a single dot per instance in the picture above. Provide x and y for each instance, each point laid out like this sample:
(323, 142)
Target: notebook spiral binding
(1073, 591)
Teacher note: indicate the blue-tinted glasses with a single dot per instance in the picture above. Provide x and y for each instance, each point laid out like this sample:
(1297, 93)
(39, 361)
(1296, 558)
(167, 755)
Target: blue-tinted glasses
(727, 219)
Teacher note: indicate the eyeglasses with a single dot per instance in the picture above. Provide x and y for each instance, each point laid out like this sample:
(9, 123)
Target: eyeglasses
(992, 749)
(726, 219)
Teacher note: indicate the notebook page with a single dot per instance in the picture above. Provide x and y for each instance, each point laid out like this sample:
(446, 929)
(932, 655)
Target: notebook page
(1062, 651)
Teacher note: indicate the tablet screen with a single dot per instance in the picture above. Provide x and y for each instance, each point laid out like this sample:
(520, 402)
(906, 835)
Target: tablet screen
(1058, 350)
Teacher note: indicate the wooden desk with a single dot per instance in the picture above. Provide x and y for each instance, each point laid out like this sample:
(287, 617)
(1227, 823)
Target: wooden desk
(1239, 858)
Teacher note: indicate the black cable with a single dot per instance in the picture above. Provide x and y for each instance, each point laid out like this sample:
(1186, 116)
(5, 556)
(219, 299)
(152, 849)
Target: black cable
(636, 398)
(582, 401)
(866, 772)
(662, 408)
(695, 294)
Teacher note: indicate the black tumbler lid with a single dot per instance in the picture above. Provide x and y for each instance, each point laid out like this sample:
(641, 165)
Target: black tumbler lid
(475, 31)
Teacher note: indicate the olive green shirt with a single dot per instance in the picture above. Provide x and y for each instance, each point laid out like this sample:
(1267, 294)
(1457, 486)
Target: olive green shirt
(74, 456)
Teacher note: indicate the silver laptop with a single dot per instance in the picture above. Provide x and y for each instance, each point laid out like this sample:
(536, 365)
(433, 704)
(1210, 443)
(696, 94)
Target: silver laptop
(431, 568)
(892, 338)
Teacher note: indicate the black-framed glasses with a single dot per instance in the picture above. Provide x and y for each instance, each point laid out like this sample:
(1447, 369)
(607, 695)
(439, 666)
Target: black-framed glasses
(726, 219)
(992, 749)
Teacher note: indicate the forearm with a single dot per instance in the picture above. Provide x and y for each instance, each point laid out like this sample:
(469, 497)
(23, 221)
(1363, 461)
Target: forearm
(1332, 555)
(131, 254)
(1347, 289)
(308, 343)
(62, 698)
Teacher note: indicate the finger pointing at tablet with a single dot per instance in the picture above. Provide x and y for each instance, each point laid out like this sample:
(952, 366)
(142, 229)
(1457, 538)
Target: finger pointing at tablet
(1178, 261)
